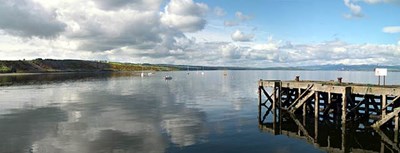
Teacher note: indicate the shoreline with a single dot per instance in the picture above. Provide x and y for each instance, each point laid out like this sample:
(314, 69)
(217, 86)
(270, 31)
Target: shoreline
(66, 72)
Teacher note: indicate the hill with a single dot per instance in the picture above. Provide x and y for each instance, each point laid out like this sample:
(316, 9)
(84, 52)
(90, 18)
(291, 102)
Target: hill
(50, 65)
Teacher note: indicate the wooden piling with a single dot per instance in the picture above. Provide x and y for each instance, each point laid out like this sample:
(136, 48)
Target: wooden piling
(316, 105)
(383, 104)
(345, 93)
(396, 129)
(260, 85)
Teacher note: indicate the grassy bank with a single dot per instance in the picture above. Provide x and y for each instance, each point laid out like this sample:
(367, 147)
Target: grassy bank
(50, 65)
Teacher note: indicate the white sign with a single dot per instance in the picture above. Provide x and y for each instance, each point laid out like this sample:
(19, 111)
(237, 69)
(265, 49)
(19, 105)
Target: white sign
(380, 72)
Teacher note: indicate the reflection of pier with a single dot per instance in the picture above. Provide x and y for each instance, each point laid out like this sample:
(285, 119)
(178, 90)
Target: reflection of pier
(333, 116)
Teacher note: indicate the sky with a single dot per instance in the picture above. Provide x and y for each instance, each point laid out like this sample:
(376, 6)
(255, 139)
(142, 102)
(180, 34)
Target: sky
(256, 33)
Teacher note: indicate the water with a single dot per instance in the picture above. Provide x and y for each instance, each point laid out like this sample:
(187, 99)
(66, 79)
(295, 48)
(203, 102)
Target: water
(124, 113)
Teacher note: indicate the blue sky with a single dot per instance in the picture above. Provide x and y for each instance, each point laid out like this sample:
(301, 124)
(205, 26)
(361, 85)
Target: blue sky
(309, 21)
(257, 33)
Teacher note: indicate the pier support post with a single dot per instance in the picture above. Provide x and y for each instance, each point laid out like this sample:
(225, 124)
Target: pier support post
(345, 93)
(316, 105)
(276, 104)
(383, 102)
(396, 129)
(260, 85)
(329, 98)
(344, 140)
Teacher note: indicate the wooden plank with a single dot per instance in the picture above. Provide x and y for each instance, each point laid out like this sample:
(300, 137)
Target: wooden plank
(325, 86)
(301, 127)
(300, 96)
(302, 101)
(267, 95)
(386, 118)
(390, 91)
(387, 140)
(394, 100)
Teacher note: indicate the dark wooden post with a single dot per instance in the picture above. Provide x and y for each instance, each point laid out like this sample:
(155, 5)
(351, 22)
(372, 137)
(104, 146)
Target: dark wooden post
(260, 85)
(345, 93)
(339, 79)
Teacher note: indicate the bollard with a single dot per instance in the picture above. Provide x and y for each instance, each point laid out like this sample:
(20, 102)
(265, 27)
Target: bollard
(297, 78)
(339, 79)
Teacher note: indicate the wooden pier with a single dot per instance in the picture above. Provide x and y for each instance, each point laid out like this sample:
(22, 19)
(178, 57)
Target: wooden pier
(365, 105)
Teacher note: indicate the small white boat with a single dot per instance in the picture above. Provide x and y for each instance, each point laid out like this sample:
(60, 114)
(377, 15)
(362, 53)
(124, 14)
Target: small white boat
(168, 77)
(142, 74)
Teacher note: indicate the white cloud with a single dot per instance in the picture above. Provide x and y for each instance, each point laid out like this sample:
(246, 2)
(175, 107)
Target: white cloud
(185, 15)
(138, 31)
(240, 36)
(125, 30)
(354, 8)
(373, 1)
(242, 16)
(391, 29)
(381, 1)
(219, 11)
(266, 46)
(230, 51)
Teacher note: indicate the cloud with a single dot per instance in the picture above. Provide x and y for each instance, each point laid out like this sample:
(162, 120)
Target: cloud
(354, 8)
(242, 17)
(94, 33)
(391, 29)
(29, 19)
(130, 4)
(230, 23)
(373, 1)
(219, 11)
(240, 36)
(381, 1)
(185, 15)
(135, 32)
(230, 51)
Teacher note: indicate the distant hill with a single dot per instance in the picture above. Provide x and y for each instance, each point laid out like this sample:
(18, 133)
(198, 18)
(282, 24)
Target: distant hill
(341, 67)
(50, 65)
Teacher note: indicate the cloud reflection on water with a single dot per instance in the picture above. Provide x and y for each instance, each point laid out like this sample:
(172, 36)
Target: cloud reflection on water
(122, 116)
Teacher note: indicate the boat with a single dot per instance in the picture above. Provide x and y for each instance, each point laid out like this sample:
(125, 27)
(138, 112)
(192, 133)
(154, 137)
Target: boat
(142, 74)
(168, 77)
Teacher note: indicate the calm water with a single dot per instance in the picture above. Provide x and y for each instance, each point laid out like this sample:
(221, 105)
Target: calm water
(121, 113)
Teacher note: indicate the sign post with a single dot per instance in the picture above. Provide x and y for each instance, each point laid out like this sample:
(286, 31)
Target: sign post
(381, 72)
